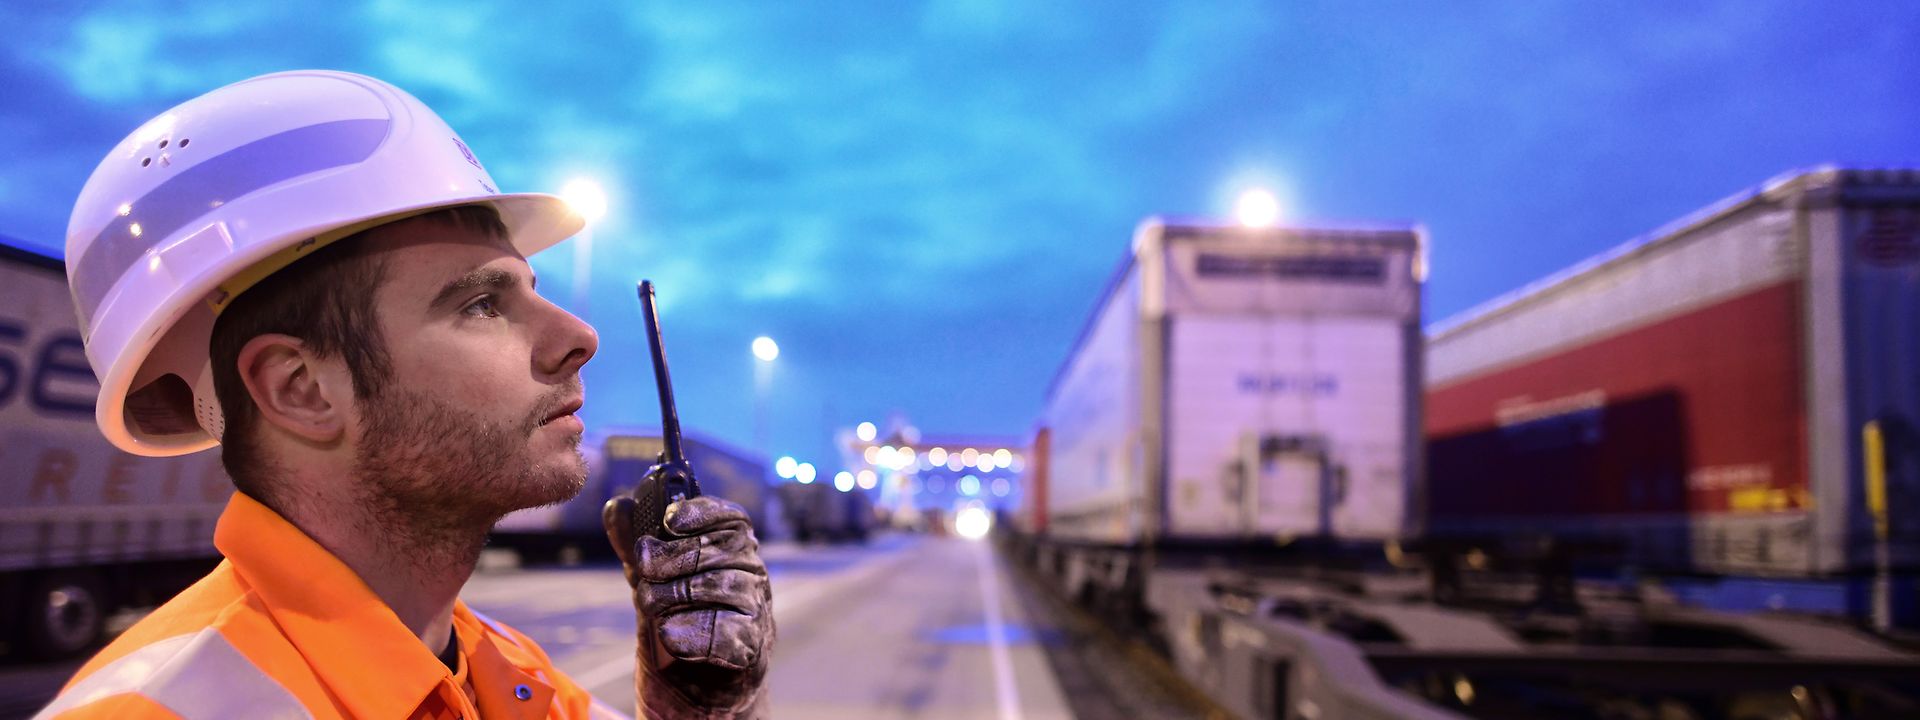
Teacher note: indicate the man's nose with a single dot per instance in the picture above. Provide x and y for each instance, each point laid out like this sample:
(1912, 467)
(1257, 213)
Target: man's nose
(568, 344)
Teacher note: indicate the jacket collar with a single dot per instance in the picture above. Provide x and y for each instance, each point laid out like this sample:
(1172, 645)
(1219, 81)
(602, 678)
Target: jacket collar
(368, 660)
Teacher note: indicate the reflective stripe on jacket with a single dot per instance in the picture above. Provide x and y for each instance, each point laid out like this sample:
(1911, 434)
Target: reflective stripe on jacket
(282, 629)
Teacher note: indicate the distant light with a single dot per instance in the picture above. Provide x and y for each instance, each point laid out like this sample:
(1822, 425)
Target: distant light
(843, 482)
(872, 454)
(804, 473)
(867, 479)
(1257, 208)
(972, 522)
(784, 466)
(586, 198)
(765, 348)
(937, 456)
(903, 458)
(886, 456)
(953, 462)
(866, 432)
(985, 463)
(969, 456)
(1001, 487)
(1003, 457)
(807, 481)
(969, 485)
(1019, 464)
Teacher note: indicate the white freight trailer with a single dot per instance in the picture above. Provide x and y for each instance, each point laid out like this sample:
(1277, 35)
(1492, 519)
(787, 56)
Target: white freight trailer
(86, 528)
(1241, 384)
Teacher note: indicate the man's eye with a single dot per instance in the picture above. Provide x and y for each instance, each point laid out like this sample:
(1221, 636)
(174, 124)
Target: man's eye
(482, 307)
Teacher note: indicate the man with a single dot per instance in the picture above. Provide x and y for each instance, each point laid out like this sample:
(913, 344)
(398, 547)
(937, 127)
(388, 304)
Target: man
(311, 270)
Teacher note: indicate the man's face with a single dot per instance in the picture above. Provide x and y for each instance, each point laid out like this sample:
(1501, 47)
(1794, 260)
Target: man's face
(477, 418)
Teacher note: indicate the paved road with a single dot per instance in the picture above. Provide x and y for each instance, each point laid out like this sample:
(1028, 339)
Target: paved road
(909, 627)
(906, 627)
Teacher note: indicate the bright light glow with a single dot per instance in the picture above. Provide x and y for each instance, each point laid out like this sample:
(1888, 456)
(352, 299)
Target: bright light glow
(804, 473)
(985, 463)
(937, 456)
(867, 479)
(135, 229)
(953, 462)
(866, 432)
(872, 454)
(586, 198)
(1257, 208)
(1001, 487)
(765, 348)
(843, 482)
(972, 522)
(886, 456)
(969, 485)
(807, 481)
(784, 466)
(969, 456)
(1003, 457)
(903, 458)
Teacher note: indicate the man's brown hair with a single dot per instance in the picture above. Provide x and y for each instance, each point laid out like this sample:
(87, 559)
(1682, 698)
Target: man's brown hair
(325, 299)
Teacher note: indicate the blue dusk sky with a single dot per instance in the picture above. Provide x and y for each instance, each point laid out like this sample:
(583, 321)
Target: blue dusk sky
(921, 200)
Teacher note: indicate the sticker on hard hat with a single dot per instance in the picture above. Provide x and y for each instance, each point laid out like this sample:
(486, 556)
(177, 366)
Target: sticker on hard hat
(468, 154)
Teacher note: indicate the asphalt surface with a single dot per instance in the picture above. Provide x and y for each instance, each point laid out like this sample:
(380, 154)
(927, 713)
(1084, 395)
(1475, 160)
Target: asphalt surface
(904, 627)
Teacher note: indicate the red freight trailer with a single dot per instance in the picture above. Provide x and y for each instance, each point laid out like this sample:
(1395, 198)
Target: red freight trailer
(1699, 396)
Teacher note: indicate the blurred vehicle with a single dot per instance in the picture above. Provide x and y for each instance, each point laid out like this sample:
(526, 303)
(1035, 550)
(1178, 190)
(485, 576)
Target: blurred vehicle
(87, 529)
(1700, 398)
(1236, 387)
(818, 512)
(617, 459)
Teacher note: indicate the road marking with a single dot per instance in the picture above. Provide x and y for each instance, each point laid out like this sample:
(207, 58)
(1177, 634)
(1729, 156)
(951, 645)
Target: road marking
(796, 603)
(1005, 693)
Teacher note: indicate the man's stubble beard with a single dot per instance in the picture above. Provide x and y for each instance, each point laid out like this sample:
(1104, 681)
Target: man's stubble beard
(440, 475)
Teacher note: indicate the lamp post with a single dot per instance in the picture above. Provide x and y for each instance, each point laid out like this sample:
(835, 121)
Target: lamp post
(590, 201)
(765, 350)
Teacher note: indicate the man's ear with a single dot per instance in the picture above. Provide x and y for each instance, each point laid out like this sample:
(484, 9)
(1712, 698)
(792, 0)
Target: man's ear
(291, 390)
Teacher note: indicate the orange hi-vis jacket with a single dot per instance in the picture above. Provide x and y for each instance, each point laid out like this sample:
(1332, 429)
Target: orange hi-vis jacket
(283, 629)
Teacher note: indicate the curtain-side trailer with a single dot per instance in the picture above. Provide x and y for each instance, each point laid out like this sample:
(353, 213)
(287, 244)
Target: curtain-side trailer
(86, 529)
(1703, 395)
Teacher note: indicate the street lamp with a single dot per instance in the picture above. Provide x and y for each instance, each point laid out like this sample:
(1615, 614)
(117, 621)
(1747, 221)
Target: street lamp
(1257, 208)
(588, 199)
(764, 352)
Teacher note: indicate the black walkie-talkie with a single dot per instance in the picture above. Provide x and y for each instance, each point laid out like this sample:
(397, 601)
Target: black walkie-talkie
(671, 479)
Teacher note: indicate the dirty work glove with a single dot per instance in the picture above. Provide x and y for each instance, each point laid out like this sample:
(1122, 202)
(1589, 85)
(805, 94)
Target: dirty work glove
(705, 609)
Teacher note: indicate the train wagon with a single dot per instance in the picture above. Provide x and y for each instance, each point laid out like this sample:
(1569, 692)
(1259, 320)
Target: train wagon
(616, 460)
(1737, 392)
(1235, 386)
(87, 529)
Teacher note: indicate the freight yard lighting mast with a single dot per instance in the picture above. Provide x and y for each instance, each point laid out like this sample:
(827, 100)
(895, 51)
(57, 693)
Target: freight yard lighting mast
(587, 198)
(765, 350)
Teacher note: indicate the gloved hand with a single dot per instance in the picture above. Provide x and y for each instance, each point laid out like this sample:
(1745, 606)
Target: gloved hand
(705, 609)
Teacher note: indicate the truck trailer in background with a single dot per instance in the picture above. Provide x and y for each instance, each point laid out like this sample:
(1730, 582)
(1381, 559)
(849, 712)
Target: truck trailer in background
(1235, 386)
(87, 529)
(1702, 398)
(616, 461)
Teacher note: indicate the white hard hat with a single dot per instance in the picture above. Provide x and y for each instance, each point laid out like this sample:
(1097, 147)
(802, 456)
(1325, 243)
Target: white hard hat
(202, 201)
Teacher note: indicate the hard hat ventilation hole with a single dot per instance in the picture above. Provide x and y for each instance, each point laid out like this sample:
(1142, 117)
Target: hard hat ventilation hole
(211, 420)
(146, 161)
(184, 141)
(163, 144)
